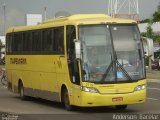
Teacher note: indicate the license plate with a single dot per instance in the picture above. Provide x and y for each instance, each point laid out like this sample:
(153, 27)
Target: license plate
(117, 99)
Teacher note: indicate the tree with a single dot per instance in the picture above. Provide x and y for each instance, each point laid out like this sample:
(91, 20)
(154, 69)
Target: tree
(149, 33)
(156, 17)
(145, 21)
(156, 14)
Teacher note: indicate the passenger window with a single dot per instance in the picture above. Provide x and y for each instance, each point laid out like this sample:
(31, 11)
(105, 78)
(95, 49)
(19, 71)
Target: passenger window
(27, 42)
(9, 43)
(36, 41)
(47, 41)
(18, 45)
(59, 40)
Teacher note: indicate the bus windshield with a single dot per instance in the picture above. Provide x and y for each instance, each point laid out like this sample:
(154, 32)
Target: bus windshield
(111, 53)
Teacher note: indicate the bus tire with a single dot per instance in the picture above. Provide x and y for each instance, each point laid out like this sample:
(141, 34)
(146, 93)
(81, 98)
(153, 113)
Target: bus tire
(66, 100)
(121, 107)
(21, 91)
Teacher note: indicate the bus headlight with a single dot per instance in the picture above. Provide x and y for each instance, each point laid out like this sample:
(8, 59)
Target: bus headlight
(140, 87)
(89, 89)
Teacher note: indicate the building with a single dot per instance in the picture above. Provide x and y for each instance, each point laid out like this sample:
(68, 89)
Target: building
(155, 27)
(33, 19)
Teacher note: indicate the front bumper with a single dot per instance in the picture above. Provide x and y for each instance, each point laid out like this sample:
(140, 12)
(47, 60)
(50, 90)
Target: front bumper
(96, 99)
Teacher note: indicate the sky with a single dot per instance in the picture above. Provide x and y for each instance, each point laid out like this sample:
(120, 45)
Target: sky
(17, 9)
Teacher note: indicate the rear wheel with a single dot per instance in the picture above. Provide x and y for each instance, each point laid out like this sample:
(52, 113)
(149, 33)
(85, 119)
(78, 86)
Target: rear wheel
(66, 100)
(121, 107)
(21, 91)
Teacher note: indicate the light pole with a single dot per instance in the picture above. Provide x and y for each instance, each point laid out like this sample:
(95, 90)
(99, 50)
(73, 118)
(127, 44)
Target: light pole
(45, 12)
(4, 18)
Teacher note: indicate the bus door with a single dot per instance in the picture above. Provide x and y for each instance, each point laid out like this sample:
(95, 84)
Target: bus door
(73, 66)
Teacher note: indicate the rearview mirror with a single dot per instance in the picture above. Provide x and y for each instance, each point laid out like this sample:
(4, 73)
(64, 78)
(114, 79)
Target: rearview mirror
(77, 49)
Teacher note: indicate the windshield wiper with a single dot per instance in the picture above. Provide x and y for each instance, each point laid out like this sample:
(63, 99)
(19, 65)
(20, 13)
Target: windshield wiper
(118, 66)
(107, 71)
(123, 70)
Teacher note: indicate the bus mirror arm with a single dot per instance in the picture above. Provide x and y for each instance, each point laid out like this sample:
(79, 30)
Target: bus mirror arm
(140, 54)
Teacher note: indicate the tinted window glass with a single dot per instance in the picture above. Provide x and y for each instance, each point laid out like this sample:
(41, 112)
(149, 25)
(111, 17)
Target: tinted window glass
(9, 43)
(27, 41)
(59, 40)
(47, 40)
(17, 42)
(36, 41)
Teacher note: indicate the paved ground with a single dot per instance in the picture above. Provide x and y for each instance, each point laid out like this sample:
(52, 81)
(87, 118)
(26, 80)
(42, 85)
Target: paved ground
(154, 74)
(42, 109)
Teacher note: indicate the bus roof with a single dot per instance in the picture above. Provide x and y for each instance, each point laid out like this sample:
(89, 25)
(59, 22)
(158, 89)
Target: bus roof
(77, 19)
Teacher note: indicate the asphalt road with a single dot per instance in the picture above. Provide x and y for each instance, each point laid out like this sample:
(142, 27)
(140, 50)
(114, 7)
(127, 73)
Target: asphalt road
(11, 105)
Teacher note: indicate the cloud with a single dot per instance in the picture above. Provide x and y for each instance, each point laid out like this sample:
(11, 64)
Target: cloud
(13, 18)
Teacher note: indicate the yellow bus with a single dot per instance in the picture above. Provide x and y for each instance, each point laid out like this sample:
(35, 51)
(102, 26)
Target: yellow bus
(83, 60)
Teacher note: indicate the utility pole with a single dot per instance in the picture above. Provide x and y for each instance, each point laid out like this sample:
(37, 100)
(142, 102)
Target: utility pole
(4, 18)
(45, 9)
(124, 8)
(45, 13)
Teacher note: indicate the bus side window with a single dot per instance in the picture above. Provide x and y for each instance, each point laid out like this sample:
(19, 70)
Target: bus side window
(72, 62)
(9, 43)
(59, 40)
(17, 46)
(47, 41)
(27, 42)
(36, 41)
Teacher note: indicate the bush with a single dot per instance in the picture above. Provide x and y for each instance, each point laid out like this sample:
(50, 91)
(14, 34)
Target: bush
(146, 60)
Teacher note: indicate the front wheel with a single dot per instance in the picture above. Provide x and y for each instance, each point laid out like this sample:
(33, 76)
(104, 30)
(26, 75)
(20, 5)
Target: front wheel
(121, 107)
(66, 100)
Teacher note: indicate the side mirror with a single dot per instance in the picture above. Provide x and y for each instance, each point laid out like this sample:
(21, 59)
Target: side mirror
(77, 49)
